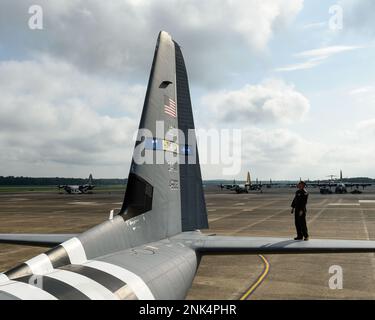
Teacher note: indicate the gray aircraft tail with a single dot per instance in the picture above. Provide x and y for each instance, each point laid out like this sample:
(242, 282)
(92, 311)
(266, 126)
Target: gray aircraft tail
(168, 194)
(248, 179)
(90, 180)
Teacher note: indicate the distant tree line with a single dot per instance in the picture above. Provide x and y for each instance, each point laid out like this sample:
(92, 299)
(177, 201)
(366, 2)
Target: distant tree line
(358, 179)
(28, 181)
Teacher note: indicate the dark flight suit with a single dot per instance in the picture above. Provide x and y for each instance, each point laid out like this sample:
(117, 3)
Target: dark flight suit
(299, 205)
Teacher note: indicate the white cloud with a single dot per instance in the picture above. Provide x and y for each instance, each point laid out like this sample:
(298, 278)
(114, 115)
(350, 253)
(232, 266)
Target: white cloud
(316, 57)
(315, 25)
(118, 37)
(52, 124)
(267, 145)
(284, 154)
(367, 127)
(272, 101)
(71, 97)
(279, 153)
(274, 153)
(363, 96)
(362, 90)
(302, 65)
(326, 52)
(52, 115)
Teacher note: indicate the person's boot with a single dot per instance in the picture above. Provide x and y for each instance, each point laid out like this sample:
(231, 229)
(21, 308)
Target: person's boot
(298, 238)
(306, 239)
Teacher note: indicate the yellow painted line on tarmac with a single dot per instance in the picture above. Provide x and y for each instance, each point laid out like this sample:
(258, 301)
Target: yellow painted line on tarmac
(260, 279)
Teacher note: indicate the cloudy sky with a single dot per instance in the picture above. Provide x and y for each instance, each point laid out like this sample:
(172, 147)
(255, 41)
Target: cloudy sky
(291, 74)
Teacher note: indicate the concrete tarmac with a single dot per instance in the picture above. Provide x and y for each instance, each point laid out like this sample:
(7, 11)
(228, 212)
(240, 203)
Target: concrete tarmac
(333, 216)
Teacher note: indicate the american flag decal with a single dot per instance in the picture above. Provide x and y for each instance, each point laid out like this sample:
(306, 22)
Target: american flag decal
(170, 107)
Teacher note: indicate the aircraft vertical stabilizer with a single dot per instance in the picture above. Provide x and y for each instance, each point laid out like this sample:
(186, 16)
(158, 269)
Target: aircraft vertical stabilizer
(168, 192)
(90, 180)
(248, 179)
(193, 206)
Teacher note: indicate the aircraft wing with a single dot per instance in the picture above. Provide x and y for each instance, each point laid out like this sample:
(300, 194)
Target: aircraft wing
(35, 239)
(206, 244)
(316, 184)
(358, 184)
(227, 185)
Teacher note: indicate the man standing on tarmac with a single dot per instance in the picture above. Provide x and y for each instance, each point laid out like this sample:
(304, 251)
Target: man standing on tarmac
(299, 210)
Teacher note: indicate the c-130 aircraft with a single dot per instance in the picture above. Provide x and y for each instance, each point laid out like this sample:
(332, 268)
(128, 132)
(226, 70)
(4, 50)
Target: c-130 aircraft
(152, 248)
(79, 189)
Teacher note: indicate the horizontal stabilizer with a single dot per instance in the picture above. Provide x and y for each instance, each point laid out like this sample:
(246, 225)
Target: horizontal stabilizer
(256, 245)
(35, 239)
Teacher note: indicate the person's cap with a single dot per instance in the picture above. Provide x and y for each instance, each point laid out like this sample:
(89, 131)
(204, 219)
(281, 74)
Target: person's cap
(303, 182)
